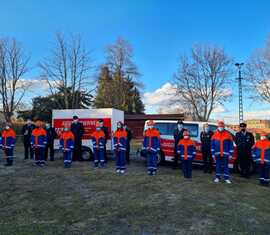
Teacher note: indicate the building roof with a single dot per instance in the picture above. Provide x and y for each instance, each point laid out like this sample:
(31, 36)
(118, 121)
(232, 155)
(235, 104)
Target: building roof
(155, 116)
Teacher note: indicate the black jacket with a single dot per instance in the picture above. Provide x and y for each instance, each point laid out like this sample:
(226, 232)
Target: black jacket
(106, 132)
(27, 132)
(129, 135)
(178, 135)
(244, 142)
(51, 135)
(77, 130)
(206, 140)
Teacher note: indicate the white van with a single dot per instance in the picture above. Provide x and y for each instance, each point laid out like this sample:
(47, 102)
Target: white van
(88, 117)
(166, 129)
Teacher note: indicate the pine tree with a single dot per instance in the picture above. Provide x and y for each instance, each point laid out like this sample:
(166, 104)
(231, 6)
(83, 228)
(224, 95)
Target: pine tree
(116, 87)
(104, 98)
(138, 106)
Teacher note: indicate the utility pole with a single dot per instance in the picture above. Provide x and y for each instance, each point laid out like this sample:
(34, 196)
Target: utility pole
(241, 112)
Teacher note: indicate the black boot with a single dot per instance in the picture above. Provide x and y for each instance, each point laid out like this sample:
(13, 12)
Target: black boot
(9, 163)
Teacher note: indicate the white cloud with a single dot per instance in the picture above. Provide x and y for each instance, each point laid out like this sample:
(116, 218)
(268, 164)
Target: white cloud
(232, 118)
(219, 109)
(260, 114)
(36, 85)
(228, 119)
(160, 100)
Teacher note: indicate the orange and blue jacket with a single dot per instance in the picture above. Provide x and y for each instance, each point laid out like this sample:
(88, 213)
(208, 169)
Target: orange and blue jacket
(66, 141)
(261, 152)
(222, 144)
(151, 141)
(38, 138)
(120, 140)
(98, 139)
(186, 149)
(8, 139)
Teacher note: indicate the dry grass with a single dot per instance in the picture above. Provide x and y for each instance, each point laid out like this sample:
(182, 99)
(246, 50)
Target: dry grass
(81, 200)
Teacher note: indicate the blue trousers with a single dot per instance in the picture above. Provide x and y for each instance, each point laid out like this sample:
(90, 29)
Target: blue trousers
(67, 158)
(187, 168)
(39, 155)
(99, 156)
(151, 161)
(120, 160)
(9, 155)
(264, 170)
(222, 167)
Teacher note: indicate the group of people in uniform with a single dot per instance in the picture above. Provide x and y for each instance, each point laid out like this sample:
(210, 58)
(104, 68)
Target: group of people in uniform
(39, 143)
(39, 140)
(121, 146)
(217, 146)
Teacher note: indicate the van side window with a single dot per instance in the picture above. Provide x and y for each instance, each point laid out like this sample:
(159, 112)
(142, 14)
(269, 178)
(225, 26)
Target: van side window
(166, 128)
(213, 128)
(192, 128)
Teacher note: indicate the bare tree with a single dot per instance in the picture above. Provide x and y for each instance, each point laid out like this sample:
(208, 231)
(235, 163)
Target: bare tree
(117, 85)
(258, 73)
(67, 68)
(13, 67)
(201, 81)
(119, 59)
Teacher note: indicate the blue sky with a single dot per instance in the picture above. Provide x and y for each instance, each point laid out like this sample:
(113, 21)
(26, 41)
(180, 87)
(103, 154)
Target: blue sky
(159, 31)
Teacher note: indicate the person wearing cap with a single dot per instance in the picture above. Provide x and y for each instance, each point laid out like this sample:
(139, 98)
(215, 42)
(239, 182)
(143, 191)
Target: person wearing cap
(120, 147)
(129, 138)
(7, 143)
(27, 132)
(98, 140)
(51, 135)
(106, 132)
(222, 151)
(66, 142)
(187, 151)
(205, 137)
(244, 141)
(178, 135)
(151, 146)
(38, 142)
(261, 155)
(78, 131)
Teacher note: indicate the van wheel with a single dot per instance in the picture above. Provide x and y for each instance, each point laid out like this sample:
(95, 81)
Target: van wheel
(160, 158)
(237, 167)
(253, 167)
(87, 155)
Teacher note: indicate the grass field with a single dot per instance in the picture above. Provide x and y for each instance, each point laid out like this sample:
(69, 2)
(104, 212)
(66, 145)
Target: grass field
(82, 200)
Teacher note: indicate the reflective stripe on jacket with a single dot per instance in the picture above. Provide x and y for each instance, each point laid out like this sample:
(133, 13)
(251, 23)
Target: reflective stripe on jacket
(151, 141)
(120, 140)
(186, 148)
(98, 139)
(261, 151)
(222, 143)
(38, 138)
(8, 138)
(67, 141)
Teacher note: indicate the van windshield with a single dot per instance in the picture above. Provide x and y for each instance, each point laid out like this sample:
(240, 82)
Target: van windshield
(168, 128)
(213, 128)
